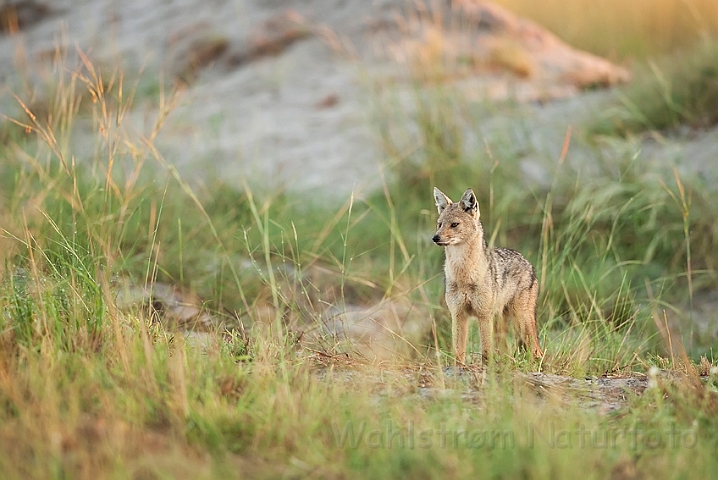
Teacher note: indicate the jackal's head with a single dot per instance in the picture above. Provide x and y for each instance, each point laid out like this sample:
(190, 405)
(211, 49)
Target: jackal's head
(458, 222)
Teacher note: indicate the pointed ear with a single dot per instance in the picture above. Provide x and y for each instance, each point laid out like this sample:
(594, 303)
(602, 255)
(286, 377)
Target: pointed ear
(469, 203)
(442, 201)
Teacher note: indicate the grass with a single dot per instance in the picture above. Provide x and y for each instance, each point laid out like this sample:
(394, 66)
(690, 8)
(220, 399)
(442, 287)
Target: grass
(678, 90)
(671, 44)
(88, 390)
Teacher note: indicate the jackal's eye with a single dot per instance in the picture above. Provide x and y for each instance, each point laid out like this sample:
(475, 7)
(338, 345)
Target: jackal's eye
(438, 225)
(455, 224)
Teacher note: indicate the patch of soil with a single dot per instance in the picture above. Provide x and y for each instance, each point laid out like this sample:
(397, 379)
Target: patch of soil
(603, 395)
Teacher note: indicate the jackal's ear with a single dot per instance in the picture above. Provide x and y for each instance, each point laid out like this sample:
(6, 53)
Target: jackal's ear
(442, 201)
(469, 203)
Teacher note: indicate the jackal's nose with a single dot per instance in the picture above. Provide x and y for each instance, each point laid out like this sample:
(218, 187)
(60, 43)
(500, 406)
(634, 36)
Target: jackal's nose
(436, 238)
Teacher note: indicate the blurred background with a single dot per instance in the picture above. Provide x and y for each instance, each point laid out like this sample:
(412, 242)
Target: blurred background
(288, 91)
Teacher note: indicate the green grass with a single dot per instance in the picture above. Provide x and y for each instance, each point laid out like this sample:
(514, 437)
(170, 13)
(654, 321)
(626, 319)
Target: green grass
(677, 90)
(91, 391)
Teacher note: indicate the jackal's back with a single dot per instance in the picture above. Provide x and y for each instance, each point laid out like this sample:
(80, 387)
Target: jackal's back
(508, 267)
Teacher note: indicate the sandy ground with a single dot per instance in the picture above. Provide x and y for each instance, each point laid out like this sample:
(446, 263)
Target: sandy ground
(260, 121)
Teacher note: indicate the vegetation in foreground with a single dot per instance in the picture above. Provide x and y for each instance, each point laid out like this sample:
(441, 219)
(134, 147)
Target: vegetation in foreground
(89, 390)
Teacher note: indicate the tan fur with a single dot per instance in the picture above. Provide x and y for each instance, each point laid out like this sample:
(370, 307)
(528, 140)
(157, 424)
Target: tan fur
(483, 282)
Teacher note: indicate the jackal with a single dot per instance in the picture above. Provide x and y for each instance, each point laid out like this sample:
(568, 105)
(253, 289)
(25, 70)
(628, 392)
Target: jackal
(483, 281)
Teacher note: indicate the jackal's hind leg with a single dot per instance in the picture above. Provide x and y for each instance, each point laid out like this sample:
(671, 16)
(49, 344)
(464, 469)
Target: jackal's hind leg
(523, 310)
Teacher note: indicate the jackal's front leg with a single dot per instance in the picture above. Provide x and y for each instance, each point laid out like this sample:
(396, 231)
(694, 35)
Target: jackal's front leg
(486, 330)
(460, 334)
